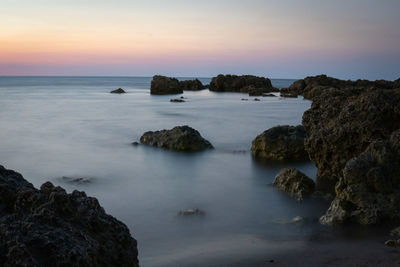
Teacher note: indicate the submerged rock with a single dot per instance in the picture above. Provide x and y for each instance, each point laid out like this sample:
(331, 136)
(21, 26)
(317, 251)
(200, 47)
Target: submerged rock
(281, 143)
(118, 91)
(180, 138)
(257, 99)
(234, 83)
(295, 183)
(369, 191)
(49, 227)
(161, 85)
(177, 100)
(267, 95)
(191, 212)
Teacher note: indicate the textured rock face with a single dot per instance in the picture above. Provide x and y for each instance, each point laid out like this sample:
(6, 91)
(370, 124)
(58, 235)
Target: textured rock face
(295, 183)
(180, 138)
(161, 85)
(311, 87)
(233, 83)
(369, 191)
(281, 143)
(118, 91)
(342, 123)
(49, 227)
(192, 85)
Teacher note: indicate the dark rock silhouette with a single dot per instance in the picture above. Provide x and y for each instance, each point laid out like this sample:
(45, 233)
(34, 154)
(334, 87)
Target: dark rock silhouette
(295, 183)
(49, 227)
(118, 91)
(281, 143)
(180, 138)
(192, 85)
(161, 85)
(244, 84)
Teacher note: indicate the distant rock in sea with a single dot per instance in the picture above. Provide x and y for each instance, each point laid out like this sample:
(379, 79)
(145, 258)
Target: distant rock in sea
(180, 138)
(118, 91)
(244, 84)
(162, 85)
(281, 143)
(175, 100)
(49, 227)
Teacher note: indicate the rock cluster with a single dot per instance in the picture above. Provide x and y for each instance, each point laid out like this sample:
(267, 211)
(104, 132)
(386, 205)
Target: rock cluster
(295, 183)
(118, 91)
(243, 84)
(49, 227)
(180, 138)
(281, 143)
(162, 85)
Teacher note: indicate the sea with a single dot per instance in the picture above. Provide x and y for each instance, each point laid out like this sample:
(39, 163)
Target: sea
(59, 129)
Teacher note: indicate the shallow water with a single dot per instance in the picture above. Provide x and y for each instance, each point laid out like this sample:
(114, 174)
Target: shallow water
(71, 126)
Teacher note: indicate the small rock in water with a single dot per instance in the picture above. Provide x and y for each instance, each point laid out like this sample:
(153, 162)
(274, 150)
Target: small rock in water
(118, 91)
(257, 99)
(135, 143)
(79, 180)
(395, 231)
(177, 100)
(244, 99)
(190, 212)
(182, 97)
(393, 243)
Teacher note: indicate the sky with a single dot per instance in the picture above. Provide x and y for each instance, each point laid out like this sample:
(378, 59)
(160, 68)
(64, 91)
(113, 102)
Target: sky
(348, 39)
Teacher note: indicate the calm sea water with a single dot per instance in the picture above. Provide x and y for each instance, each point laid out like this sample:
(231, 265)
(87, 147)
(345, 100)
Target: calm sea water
(71, 126)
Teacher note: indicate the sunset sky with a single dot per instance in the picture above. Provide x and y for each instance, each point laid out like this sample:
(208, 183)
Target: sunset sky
(273, 38)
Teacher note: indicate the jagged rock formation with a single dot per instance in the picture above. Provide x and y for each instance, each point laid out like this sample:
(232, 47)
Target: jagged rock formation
(118, 91)
(161, 85)
(49, 227)
(245, 83)
(281, 143)
(295, 183)
(180, 138)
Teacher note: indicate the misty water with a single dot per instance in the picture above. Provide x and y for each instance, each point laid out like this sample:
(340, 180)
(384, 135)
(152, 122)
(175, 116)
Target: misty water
(72, 126)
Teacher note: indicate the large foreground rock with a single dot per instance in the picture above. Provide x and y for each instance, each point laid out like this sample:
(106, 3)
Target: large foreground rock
(49, 227)
(369, 190)
(180, 138)
(281, 143)
(295, 183)
(342, 123)
(244, 84)
(161, 85)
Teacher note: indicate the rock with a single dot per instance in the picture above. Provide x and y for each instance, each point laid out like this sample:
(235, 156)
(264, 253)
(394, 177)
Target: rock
(395, 232)
(79, 180)
(135, 143)
(180, 138)
(272, 95)
(192, 85)
(49, 227)
(191, 212)
(182, 97)
(118, 91)
(257, 99)
(177, 100)
(161, 85)
(234, 83)
(343, 122)
(369, 190)
(255, 91)
(281, 143)
(244, 99)
(295, 183)
(393, 243)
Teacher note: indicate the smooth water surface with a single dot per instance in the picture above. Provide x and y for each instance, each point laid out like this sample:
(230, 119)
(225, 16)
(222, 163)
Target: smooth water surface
(72, 126)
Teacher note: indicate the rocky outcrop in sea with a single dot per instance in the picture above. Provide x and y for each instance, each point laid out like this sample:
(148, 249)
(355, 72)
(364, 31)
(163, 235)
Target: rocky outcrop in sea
(180, 138)
(243, 84)
(295, 183)
(48, 227)
(162, 85)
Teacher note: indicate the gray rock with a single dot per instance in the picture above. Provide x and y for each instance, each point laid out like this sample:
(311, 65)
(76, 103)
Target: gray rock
(180, 138)
(295, 183)
(281, 143)
(118, 91)
(49, 227)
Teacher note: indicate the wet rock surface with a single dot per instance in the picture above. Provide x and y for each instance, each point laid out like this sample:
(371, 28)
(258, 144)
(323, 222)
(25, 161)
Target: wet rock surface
(162, 85)
(281, 143)
(118, 91)
(180, 138)
(369, 191)
(244, 84)
(295, 183)
(49, 227)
